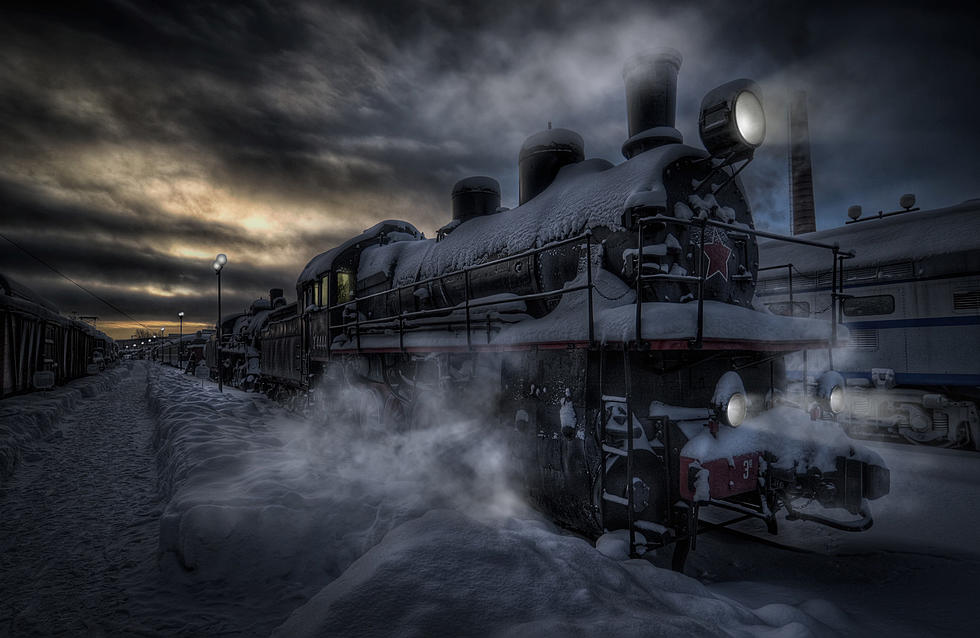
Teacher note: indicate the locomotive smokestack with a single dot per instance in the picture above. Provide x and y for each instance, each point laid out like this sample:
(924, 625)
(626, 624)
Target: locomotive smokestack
(274, 294)
(800, 172)
(651, 100)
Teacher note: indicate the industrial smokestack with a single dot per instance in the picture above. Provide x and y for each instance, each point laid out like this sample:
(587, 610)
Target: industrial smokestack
(651, 100)
(800, 172)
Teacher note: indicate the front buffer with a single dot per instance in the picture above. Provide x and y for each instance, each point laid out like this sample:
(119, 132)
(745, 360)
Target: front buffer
(776, 459)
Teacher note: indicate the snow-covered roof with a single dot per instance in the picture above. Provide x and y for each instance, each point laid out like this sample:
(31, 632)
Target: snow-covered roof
(14, 288)
(324, 261)
(588, 194)
(909, 236)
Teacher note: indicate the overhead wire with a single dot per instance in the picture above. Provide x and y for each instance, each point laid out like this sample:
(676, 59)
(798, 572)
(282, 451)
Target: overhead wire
(80, 286)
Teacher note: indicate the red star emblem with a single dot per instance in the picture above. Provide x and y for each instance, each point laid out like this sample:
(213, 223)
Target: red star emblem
(718, 255)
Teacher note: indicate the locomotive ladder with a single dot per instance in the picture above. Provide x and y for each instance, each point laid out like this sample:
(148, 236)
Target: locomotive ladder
(629, 453)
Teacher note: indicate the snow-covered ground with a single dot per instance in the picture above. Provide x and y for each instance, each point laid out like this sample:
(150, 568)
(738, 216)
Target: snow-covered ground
(166, 508)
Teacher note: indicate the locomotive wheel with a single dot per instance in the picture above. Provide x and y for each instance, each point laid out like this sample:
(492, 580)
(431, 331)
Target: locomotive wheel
(369, 409)
(649, 491)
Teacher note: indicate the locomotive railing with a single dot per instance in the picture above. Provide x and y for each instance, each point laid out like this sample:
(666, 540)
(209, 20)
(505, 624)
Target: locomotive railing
(468, 303)
(837, 280)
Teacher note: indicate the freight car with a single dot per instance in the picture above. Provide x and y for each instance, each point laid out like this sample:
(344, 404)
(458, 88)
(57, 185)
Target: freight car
(606, 327)
(911, 302)
(42, 348)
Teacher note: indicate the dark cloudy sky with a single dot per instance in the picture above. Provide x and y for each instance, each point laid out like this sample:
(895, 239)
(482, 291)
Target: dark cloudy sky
(139, 139)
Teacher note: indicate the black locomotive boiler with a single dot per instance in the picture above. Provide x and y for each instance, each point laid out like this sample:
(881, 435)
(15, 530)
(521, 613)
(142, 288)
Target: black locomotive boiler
(606, 325)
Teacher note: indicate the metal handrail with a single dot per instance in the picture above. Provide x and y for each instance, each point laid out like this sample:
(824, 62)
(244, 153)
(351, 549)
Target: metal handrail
(467, 304)
(456, 273)
(702, 222)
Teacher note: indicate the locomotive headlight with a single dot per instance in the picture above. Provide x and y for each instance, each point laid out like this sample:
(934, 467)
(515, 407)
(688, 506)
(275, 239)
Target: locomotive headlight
(749, 118)
(732, 121)
(735, 410)
(830, 390)
(728, 401)
(836, 399)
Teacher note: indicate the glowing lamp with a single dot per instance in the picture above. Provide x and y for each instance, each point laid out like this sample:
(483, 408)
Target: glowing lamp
(830, 390)
(732, 123)
(729, 402)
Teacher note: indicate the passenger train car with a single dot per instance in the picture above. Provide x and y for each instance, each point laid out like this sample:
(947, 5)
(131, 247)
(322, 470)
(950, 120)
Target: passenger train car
(911, 305)
(606, 328)
(40, 348)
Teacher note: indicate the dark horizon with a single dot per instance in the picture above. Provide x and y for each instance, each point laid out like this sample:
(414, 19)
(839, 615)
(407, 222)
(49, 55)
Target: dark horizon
(139, 140)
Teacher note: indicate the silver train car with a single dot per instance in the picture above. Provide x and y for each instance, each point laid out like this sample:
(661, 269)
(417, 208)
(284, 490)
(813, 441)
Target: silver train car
(911, 304)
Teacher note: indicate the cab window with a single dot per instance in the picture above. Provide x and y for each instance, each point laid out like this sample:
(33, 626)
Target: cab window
(345, 286)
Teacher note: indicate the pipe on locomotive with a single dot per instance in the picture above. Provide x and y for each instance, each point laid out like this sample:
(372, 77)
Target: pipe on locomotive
(651, 103)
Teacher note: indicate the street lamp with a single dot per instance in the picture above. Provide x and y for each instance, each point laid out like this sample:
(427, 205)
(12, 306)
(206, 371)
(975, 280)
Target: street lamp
(219, 263)
(180, 344)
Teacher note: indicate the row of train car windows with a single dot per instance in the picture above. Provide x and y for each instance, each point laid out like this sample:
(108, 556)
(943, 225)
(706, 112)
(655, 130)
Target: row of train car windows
(965, 300)
(852, 307)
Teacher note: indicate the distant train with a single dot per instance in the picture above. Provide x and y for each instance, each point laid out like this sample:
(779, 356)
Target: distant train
(182, 351)
(606, 327)
(911, 304)
(239, 363)
(42, 348)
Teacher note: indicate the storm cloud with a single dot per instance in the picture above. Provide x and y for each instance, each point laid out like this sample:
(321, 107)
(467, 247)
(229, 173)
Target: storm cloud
(139, 139)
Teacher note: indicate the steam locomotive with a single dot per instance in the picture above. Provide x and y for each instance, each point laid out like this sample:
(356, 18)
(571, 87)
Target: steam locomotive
(606, 327)
(40, 347)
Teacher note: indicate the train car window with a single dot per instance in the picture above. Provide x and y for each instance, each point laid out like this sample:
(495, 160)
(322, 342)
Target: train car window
(966, 300)
(321, 291)
(798, 309)
(345, 286)
(872, 305)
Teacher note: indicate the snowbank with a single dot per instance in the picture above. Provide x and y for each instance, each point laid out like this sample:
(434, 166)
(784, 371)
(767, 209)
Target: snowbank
(256, 494)
(445, 574)
(27, 418)
(408, 533)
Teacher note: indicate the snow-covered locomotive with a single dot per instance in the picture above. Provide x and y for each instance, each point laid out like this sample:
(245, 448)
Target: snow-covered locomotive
(606, 325)
(912, 307)
(41, 348)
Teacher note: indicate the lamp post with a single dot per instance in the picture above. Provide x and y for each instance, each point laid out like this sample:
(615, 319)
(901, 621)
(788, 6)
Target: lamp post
(161, 346)
(219, 263)
(180, 343)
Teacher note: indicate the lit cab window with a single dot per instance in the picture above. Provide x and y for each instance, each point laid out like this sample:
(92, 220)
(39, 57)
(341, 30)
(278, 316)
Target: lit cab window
(345, 288)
